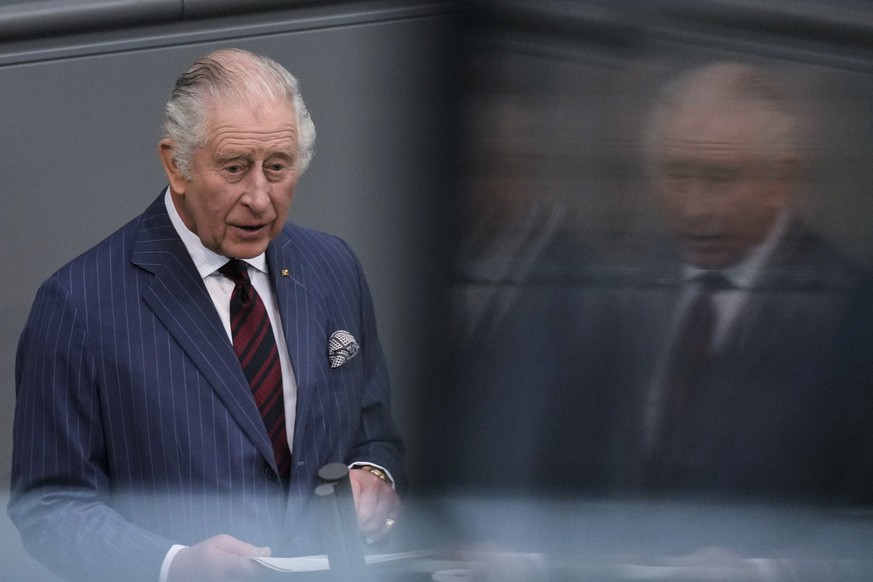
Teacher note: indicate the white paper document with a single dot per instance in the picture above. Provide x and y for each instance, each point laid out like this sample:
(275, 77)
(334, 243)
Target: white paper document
(319, 563)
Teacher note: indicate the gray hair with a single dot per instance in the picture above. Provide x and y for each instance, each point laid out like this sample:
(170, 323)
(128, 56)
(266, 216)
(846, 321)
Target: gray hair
(735, 83)
(230, 75)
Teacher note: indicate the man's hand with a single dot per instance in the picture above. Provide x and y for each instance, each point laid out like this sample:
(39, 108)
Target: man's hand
(219, 559)
(376, 503)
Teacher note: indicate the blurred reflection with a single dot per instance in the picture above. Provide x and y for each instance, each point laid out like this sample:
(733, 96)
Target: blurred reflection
(730, 361)
(517, 257)
(679, 332)
(514, 221)
(738, 335)
(511, 212)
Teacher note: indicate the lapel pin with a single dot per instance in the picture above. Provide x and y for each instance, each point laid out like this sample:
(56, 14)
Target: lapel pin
(284, 272)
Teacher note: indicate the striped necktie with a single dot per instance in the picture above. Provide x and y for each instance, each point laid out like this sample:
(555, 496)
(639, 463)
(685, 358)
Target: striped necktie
(692, 353)
(255, 346)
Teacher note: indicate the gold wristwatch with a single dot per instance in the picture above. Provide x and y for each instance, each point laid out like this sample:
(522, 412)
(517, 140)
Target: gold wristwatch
(375, 471)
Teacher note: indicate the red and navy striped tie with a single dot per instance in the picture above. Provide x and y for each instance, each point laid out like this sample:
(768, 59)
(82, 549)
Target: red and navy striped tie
(255, 346)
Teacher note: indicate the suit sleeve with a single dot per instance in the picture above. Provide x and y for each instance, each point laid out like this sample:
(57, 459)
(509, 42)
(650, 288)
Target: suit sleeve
(60, 495)
(377, 440)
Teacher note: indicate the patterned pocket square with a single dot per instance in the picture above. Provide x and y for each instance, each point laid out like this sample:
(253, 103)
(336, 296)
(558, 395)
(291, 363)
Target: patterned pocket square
(341, 348)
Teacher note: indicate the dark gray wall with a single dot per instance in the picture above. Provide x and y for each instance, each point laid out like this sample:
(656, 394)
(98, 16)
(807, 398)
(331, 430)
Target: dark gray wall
(80, 118)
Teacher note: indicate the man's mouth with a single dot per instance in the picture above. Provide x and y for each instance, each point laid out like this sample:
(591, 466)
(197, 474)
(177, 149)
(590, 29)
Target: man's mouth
(705, 240)
(250, 229)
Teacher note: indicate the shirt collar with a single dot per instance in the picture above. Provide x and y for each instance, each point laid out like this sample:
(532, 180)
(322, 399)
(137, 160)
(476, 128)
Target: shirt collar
(744, 273)
(206, 261)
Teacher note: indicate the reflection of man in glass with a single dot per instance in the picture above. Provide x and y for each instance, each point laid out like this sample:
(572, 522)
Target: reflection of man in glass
(724, 164)
(743, 393)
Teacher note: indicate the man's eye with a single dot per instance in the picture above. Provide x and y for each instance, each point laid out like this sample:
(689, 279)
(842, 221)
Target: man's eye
(234, 167)
(722, 175)
(276, 166)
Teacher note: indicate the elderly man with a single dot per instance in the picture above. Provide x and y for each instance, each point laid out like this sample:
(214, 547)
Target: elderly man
(180, 384)
(744, 344)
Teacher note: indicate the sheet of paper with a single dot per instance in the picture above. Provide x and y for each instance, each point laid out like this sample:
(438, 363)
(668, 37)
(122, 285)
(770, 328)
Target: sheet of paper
(319, 563)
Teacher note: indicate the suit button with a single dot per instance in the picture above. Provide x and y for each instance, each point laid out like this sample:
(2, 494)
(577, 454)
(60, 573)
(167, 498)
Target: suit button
(270, 473)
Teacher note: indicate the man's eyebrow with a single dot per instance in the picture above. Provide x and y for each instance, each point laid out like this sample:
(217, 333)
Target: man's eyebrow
(225, 156)
(288, 152)
(222, 157)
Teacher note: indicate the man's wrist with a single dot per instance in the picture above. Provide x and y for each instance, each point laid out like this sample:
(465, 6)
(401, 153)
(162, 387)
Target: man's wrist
(376, 470)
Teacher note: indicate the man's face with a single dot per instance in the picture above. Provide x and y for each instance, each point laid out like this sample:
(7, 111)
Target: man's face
(243, 178)
(719, 193)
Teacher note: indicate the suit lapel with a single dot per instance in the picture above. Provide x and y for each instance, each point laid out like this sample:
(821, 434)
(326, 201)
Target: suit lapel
(179, 299)
(782, 290)
(302, 321)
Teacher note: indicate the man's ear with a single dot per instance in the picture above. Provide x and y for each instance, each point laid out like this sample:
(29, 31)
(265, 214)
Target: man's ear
(167, 152)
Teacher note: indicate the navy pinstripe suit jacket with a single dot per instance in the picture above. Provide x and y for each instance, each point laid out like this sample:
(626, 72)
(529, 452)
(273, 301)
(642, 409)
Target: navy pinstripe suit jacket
(134, 424)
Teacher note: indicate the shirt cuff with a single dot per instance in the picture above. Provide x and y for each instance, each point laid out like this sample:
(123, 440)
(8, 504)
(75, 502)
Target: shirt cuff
(168, 559)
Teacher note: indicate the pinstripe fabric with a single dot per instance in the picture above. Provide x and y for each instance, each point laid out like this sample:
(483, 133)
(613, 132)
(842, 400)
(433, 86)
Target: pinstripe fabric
(135, 427)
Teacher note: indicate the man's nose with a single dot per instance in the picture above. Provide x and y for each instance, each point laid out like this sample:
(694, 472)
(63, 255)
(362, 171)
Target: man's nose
(257, 195)
(700, 199)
